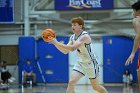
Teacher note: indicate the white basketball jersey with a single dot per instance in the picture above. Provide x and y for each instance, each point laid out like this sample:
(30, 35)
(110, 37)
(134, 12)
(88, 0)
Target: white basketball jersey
(84, 52)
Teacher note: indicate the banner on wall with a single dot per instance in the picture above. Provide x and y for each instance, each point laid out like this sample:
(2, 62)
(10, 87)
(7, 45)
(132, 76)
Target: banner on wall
(83, 4)
(6, 11)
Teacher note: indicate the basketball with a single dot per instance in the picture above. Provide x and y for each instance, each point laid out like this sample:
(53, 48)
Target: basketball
(46, 33)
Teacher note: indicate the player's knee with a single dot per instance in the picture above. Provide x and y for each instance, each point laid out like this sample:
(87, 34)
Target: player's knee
(95, 86)
(72, 82)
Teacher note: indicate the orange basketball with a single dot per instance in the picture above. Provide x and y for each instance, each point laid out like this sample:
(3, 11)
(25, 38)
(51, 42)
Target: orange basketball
(46, 33)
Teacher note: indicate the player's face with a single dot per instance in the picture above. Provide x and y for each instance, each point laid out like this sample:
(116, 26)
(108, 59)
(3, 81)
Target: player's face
(136, 13)
(76, 27)
(28, 62)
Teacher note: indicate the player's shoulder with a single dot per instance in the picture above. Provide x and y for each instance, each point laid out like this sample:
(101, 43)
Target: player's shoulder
(136, 20)
(85, 35)
(84, 32)
(72, 35)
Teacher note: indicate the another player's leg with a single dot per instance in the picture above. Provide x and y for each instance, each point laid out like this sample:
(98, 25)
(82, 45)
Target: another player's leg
(138, 74)
(96, 86)
(73, 80)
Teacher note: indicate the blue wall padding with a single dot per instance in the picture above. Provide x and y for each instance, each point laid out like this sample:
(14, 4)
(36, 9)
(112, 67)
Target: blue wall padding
(116, 50)
(26, 51)
(54, 64)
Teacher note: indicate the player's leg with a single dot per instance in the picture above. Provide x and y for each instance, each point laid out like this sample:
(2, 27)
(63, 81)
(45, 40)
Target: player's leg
(96, 86)
(33, 77)
(73, 80)
(92, 71)
(24, 77)
(138, 74)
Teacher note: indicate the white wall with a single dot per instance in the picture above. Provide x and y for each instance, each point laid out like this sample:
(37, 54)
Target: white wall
(98, 50)
(9, 40)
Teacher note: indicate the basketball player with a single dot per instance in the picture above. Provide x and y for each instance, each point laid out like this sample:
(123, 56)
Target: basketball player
(136, 45)
(87, 63)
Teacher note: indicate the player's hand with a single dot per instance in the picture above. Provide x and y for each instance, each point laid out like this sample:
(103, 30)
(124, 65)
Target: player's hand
(129, 60)
(28, 74)
(52, 40)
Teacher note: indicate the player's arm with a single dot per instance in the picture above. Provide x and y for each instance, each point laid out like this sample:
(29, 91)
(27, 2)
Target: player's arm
(62, 49)
(84, 39)
(136, 24)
